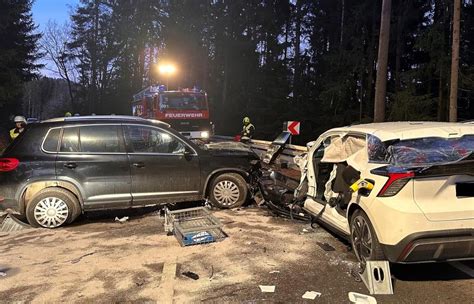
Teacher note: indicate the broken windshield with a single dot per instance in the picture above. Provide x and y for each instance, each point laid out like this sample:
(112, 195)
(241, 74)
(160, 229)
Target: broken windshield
(420, 151)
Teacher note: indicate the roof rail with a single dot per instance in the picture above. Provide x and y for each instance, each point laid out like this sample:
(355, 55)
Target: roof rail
(104, 117)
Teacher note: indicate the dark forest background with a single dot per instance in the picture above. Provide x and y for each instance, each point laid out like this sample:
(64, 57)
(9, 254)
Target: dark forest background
(307, 60)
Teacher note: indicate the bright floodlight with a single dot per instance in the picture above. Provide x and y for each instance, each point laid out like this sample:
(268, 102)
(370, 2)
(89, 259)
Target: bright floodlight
(167, 69)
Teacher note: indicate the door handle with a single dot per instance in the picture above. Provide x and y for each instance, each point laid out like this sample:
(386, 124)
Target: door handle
(139, 165)
(70, 165)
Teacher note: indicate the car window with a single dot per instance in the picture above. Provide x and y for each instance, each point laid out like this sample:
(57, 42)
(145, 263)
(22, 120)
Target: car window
(151, 140)
(51, 141)
(70, 140)
(100, 139)
(319, 153)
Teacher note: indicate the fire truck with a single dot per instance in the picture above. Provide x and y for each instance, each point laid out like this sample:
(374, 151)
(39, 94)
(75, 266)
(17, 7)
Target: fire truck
(186, 110)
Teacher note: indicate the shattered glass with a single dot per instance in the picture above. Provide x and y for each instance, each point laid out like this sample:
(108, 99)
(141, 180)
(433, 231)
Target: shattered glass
(420, 151)
(430, 150)
(376, 149)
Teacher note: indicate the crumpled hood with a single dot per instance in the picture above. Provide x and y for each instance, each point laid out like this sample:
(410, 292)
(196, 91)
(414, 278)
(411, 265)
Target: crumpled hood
(230, 148)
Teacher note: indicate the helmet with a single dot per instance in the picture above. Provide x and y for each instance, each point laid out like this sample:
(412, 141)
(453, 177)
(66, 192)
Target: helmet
(246, 120)
(68, 114)
(19, 119)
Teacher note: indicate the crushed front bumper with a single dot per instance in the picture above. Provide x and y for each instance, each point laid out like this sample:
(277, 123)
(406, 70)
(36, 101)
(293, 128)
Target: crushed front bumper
(437, 246)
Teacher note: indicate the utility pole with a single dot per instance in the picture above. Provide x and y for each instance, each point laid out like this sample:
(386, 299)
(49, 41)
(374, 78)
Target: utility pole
(381, 82)
(453, 94)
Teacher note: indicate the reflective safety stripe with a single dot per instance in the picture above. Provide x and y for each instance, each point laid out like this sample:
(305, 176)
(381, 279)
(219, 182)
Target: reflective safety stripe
(246, 129)
(14, 134)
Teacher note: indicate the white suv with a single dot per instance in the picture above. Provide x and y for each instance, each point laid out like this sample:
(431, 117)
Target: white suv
(402, 191)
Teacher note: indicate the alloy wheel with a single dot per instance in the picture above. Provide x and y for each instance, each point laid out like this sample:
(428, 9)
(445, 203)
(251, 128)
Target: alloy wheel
(226, 192)
(361, 238)
(51, 212)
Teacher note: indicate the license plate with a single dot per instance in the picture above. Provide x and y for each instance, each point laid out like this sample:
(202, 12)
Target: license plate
(465, 189)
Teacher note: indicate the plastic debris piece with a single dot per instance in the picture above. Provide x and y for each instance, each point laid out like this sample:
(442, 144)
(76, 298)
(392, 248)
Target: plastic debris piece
(326, 246)
(267, 288)
(305, 230)
(191, 275)
(355, 273)
(359, 298)
(377, 277)
(311, 295)
(3, 274)
(122, 220)
(212, 272)
(275, 271)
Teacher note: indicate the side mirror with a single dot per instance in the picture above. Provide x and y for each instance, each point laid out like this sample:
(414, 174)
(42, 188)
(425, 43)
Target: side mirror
(188, 153)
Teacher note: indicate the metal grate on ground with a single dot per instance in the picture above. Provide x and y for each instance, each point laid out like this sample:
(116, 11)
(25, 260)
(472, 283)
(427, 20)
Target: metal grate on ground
(194, 226)
(10, 224)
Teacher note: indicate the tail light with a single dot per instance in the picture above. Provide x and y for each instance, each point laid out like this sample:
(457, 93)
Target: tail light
(8, 164)
(396, 181)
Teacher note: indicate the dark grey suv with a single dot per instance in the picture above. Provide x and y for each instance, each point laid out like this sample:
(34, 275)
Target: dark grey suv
(57, 169)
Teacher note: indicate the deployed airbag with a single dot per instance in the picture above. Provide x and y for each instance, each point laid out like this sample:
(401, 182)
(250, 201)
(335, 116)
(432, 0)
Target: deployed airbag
(342, 148)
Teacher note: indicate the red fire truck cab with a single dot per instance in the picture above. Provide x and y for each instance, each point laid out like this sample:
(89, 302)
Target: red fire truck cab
(186, 110)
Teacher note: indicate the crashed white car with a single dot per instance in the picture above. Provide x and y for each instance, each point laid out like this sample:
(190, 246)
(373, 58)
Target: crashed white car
(400, 191)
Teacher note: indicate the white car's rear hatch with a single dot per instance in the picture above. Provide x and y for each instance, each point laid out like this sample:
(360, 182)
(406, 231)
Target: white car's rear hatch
(440, 168)
(446, 193)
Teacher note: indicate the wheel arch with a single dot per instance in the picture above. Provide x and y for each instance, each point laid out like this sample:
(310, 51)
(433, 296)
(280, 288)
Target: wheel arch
(33, 188)
(218, 172)
(353, 208)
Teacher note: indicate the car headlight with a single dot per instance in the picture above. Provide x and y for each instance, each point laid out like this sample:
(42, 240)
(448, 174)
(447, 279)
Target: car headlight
(204, 134)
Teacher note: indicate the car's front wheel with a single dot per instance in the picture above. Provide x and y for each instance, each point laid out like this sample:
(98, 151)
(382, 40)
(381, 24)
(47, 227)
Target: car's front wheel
(52, 208)
(363, 238)
(228, 190)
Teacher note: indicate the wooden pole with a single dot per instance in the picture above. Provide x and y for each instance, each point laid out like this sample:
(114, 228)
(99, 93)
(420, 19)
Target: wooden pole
(381, 82)
(453, 93)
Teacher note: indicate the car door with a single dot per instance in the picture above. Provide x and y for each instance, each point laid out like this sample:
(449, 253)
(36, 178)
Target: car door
(94, 158)
(164, 168)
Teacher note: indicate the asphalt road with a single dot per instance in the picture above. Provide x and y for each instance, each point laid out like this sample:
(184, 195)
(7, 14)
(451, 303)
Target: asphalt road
(100, 260)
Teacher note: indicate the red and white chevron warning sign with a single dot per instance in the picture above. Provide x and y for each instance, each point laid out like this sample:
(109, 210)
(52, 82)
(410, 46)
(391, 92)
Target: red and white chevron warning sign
(293, 127)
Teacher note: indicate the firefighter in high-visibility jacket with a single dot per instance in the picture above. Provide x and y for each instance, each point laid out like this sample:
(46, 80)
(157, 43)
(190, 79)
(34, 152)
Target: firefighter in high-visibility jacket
(20, 124)
(247, 130)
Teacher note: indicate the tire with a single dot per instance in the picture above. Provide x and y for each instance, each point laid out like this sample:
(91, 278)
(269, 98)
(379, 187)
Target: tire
(228, 190)
(62, 204)
(364, 240)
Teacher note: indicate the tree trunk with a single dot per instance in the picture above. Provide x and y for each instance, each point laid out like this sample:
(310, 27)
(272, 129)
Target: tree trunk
(381, 81)
(371, 59)
(441, 101)
(297, 76)
(399, 46)
(453, 94)
(342, 23)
